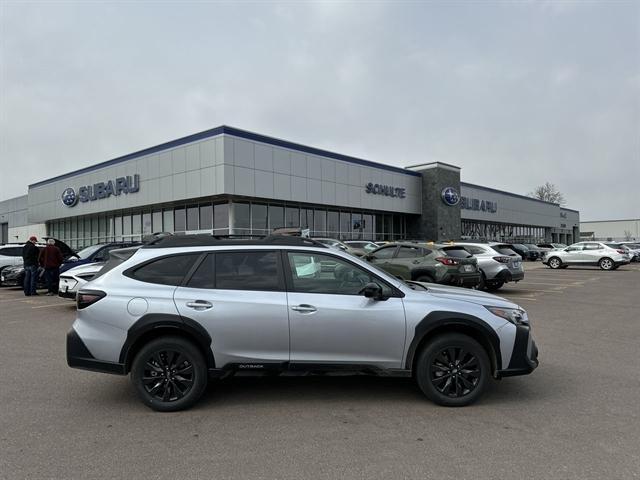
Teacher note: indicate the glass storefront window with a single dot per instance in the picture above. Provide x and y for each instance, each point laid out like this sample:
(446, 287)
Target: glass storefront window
(167, 218)
(126, 226)
(102, 228)
(146, 224)
(192, 218)
(136, 224)
(179, 219)
(306, 218)
(221, 217)
(319, 223)
(333, 224)
(291, 217)
(241, 218)
(156, 222)
(345, 225)
(259, 219)
(368, 227)
(117, 228)
(94, 230)
(206, 217)
(276, 217)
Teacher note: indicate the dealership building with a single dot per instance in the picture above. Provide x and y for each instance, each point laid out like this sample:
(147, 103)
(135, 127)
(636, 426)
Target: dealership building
(228, 181)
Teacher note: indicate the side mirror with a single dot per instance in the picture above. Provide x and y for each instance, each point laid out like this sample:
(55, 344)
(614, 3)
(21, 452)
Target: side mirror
(372, 290)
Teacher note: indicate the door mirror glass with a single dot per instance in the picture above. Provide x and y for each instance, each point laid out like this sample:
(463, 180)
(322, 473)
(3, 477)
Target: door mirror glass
(372, 290)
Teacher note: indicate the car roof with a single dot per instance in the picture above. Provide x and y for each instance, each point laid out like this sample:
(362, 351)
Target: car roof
(181, 241)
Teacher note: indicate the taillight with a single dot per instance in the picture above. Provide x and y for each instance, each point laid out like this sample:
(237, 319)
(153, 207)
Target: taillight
(84, 298)
(502, 259)
(447, 261)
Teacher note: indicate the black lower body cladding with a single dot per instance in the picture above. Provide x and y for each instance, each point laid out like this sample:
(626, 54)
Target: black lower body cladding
(524, 358)
(79, 356)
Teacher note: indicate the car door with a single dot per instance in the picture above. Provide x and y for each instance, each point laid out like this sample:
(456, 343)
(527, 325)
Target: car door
(332, 323)
(572, 254)
(407, 258)
(239, 298)
(382, 258)
(592, 253)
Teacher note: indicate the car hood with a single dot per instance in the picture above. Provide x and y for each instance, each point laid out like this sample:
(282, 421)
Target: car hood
(468, 295)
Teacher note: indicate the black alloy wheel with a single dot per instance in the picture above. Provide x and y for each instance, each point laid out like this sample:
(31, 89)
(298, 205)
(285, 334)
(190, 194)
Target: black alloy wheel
(453, 370)
(169, 374)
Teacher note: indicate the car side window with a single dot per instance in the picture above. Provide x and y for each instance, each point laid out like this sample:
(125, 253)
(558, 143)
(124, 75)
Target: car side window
(243, 270)
(575, 248)
(592, 246)
(166, 270)
(319, 273)
(384, 253)
(204, 277)
(409, 252)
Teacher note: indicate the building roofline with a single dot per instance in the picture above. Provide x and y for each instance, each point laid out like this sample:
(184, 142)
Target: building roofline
(436, 164)
(495, 190)
(226, 130)
(570, 209)
(605, 221)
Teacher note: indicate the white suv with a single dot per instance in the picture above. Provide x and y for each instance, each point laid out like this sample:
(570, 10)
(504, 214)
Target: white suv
(180, 310)
(10, 255)
(587, 253)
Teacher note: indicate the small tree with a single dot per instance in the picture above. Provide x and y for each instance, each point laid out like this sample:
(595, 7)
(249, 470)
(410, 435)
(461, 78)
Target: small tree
(628, 235)
(549, 193)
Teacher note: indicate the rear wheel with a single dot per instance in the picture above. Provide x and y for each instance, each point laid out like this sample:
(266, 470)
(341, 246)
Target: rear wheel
(169, 374)
(606, 264)
(453, 370)
(554, 262)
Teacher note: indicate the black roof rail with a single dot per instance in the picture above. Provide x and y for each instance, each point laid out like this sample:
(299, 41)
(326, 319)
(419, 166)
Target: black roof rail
(203, 240)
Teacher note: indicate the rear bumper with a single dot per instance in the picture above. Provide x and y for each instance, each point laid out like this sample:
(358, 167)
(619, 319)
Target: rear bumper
(506, 276)
(70, 295)
(524, 358)
(462, 279)
(79, 356)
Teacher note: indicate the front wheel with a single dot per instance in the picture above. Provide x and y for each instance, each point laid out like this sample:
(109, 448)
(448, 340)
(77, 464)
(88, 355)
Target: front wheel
(169, 374)
(554, 262)
(453, 370)
(606, 264)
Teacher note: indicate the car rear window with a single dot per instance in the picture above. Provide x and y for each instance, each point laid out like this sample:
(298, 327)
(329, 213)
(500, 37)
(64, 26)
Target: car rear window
(11, 251)
(504, 249)
(169, 270)
(457, 252)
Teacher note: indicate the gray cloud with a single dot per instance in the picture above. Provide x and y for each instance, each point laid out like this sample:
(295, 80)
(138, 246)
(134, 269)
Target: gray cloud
(515, 93)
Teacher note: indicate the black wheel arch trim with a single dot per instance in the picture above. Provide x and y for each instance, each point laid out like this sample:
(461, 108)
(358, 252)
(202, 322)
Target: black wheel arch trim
(153, 321)
(437, 320)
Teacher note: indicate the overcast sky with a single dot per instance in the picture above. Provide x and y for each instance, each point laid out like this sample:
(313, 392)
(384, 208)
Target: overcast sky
(516, 93)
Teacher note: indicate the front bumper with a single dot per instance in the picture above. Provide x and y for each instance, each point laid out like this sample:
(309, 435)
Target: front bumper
(79, 356)
(524, 358)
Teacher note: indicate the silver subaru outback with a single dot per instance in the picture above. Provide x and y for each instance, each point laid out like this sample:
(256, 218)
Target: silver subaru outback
(497, 262)
(182, 310)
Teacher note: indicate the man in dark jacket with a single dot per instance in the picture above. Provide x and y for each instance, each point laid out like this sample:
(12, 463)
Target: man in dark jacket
(30, 254)
(51, 258)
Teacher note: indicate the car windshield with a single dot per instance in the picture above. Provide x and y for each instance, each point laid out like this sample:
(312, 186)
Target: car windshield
(87, 252)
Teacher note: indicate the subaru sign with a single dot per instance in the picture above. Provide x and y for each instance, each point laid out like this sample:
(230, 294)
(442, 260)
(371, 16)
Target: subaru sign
(100, 190)
(450, 196)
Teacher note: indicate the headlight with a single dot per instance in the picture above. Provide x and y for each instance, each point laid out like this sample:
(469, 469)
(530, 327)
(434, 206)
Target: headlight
(516, 316)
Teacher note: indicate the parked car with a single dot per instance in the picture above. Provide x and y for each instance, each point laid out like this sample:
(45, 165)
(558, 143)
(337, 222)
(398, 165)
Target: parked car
(94, 254)
(73, 279)
(547, 247)
(10, 255)
(534, 248)
(621, 246)
(427, 262)
(524, 251)
(361, 247)
(634, 248)
(587, 253)
(14, 277)
(498, 264)
(184, 309)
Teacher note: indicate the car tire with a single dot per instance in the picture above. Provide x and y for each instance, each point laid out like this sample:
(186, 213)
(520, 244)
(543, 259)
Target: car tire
(492, 287)
(482, 284)
(169, 374)
(606, 263)
(438, 370)
(554, 262)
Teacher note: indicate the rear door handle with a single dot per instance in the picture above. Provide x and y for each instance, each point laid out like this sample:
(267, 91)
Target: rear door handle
(199, 305)
(304, 308)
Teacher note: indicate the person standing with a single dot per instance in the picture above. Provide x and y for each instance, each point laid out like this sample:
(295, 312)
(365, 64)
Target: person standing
(30, 254)
(51, 258)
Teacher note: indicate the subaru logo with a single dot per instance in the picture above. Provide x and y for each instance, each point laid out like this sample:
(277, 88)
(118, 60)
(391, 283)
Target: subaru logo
(69, 197)
(450, 196)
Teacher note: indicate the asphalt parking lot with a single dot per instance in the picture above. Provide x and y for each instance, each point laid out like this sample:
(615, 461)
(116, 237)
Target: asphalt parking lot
(577, 416)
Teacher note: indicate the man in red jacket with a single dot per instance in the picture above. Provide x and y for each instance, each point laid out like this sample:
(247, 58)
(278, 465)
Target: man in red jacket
(51, 259)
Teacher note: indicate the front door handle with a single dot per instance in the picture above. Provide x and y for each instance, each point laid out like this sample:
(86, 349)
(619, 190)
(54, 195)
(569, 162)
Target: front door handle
(304, 308)
(199, 305)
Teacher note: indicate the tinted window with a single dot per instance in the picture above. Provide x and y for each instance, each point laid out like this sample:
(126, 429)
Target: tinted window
(474, 250)
(409, 252)
(457, 252)
(11, 251)
(248, 271)
(386, 252)
(203, 276)
(310, 273)
(504, 249)
(167, 270)
(593, 246)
